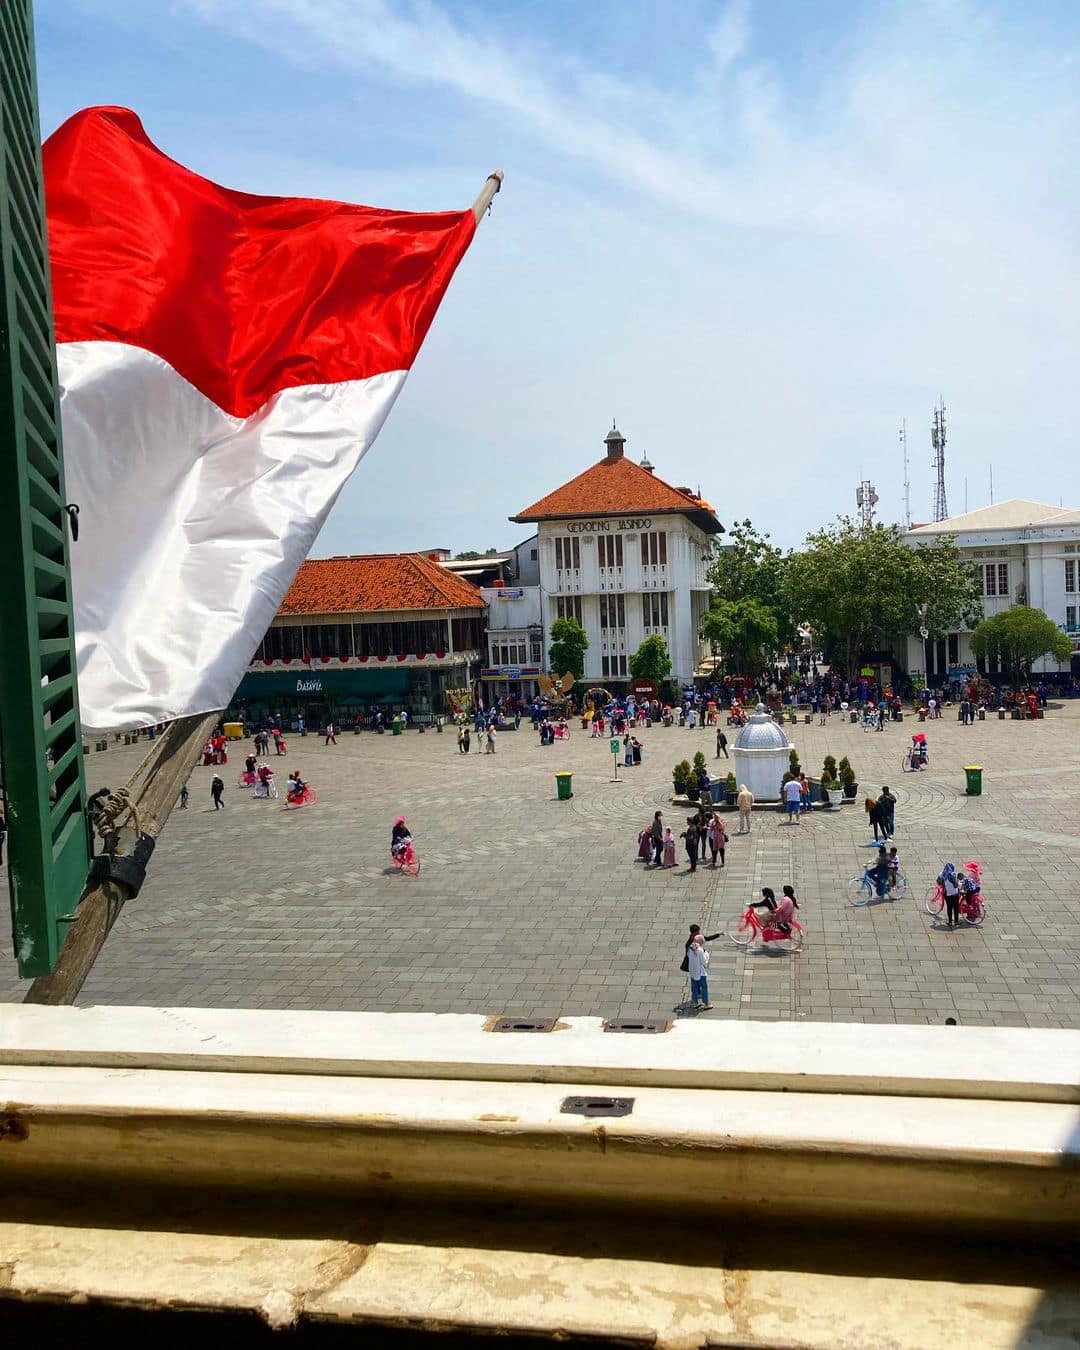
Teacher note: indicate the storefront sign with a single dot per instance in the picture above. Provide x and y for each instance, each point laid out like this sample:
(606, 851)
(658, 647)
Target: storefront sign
(607, 526)
(643, 688)
(512, 672)
(512, 593)
(309, 686)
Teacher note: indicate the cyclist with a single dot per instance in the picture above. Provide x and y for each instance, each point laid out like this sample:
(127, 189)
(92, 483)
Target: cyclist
(784, 914)
(400, 838)
(297, 787)
(878, 872)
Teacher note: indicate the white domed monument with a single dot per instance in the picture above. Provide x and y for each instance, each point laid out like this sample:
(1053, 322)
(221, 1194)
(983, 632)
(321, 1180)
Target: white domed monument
(762, 754)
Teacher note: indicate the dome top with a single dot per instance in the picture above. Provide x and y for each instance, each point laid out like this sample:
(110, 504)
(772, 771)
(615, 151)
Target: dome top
(762, 733)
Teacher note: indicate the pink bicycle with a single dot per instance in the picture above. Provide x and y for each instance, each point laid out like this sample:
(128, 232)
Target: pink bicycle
(405, 859)
(747, 930)
(972, 906)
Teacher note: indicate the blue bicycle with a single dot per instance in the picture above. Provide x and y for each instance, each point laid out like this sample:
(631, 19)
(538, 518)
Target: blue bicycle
(864, 889)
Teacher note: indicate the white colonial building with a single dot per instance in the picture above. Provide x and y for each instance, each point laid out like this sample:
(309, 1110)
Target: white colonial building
(625, 554)
(1027, 553)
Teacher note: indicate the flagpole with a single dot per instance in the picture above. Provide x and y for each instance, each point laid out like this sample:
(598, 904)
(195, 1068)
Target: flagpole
(491, 186)
(164, 773)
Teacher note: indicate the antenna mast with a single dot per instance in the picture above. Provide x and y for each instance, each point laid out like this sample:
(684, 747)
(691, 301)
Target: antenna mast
(937, 440)
(907, 476)
(866, 498)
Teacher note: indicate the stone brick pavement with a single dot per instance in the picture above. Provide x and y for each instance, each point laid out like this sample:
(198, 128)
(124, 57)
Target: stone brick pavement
(531, 906)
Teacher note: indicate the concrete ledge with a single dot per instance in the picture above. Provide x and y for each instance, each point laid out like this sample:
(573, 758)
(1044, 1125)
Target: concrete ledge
(974, 1063)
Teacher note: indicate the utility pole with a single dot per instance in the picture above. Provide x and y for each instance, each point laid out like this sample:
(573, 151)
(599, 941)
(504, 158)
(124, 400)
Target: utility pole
(937, 440)
(907, 475)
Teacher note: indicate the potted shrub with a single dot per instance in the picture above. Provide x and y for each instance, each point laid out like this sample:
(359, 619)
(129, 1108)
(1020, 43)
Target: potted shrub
(683, 778)
(793, 763)
(828, 768)
(731, 789)
(848, 781)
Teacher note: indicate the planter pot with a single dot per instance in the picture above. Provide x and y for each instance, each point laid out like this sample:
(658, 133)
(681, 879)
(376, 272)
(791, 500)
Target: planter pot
(731, 798)
(835, 796)
(850, 791)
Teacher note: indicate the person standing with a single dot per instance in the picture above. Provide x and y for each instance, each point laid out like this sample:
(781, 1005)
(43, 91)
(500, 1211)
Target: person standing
(461, 739)
(873, 815)
(950, 884)
(331, 734)
(491, 738)
(745, 802)
(793, 800)
(669, 848)
(721, 744)
(656, 831)
(184, 795)
(804, 792)
(887, 807)
(690, 838)
(698, 969)
(404, 715)
(717, 839)
(217, 788)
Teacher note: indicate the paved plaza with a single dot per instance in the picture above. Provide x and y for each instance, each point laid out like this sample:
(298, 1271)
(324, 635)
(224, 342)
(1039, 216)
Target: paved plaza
(531, 906)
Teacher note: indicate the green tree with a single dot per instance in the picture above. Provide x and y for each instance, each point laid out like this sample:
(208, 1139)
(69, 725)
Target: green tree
(1016, 637)
(747, 566)
(651, 661)
(745, 632)
(857, 586)
(569, 643)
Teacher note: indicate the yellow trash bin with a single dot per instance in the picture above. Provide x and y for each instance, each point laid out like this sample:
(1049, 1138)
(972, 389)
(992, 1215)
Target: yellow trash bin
(234, 731)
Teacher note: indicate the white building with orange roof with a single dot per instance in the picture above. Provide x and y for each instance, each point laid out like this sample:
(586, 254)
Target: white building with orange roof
(625, 554)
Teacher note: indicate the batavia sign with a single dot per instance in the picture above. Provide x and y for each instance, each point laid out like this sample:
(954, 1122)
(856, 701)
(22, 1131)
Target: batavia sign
(607, 526)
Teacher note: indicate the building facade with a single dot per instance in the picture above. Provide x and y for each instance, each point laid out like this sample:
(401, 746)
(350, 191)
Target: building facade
(357, 633)
(515, 643)
(625, 554)
(1027, 553)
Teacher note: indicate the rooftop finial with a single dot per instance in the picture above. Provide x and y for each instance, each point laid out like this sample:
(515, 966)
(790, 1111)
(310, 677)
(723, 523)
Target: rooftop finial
(614, 441)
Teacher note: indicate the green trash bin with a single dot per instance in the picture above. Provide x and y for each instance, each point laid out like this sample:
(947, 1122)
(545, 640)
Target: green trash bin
(974, 779)
(562, 782)
(396, 728)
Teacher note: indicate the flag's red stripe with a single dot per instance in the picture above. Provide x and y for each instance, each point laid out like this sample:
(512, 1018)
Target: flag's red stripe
(243, 295)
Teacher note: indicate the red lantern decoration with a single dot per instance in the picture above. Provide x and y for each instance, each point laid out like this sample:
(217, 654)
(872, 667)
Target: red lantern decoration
(440, 656)
(402, 656)
(421, 656)
(382, 658)
(268, 660)
(286, 660)
(324, 659)
(361, 659)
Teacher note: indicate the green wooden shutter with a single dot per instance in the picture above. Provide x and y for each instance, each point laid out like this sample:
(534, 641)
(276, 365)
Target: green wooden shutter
(40, 736)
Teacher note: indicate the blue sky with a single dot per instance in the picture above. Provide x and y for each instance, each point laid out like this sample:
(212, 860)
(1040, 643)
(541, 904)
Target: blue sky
(757, 234)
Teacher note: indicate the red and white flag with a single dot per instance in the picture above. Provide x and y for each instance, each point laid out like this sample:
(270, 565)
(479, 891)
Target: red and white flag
(224, 360)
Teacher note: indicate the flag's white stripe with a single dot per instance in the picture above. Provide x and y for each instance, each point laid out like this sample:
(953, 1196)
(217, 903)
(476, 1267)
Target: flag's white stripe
(192, 522)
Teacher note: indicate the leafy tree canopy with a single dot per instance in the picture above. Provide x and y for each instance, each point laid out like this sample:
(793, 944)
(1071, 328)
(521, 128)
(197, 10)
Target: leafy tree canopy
(1017, 637)
(748, 566)
(652, 660)
(858, 585)
(569, 643)
(744, 631)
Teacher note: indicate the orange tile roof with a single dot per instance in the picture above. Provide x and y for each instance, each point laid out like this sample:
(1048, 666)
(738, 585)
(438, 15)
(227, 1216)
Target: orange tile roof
(617, 487)
(377, 581)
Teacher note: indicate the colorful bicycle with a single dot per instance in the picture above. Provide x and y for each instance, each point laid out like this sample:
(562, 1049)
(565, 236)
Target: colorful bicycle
(406, 860)
(972, 906)
(863, 889)
(748, 930)
(309, 797)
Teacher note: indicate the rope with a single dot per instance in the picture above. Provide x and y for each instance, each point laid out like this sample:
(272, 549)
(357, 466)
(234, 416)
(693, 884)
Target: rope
(116, 805)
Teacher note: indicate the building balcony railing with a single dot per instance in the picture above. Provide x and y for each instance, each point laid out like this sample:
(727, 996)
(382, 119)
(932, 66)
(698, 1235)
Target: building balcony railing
(429, 659)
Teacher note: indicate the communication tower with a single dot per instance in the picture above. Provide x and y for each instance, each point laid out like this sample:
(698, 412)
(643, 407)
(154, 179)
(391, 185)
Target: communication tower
(907, 475)
(937, 440)
(867, 499)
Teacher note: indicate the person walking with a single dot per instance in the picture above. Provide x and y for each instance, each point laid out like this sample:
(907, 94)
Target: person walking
(217, 787)
(404, 715)
(669, 848)
(331, 734)
(721, 744)
(184, 795)
(887, 807)
(717, 839)
(793, 801)
(690, 838)
(656, 831)
(697, 959)
(745, 802)
(873, 815)
(461, 739)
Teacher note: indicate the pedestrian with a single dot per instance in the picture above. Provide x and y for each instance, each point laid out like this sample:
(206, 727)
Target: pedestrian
(951, 886)
(887, 806)
(461, 739)
(698, 970)
(301, 726)
(491, 739)
(465, 738)
(657, 833)
(669, 848)
(793, 800)
(690, 837)
(331, 734)
(404, 715)
(873, 814)
(717, 839)
(804, 792)
(745, 802)
(217, 787)
(721, 744)
(184, 795)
